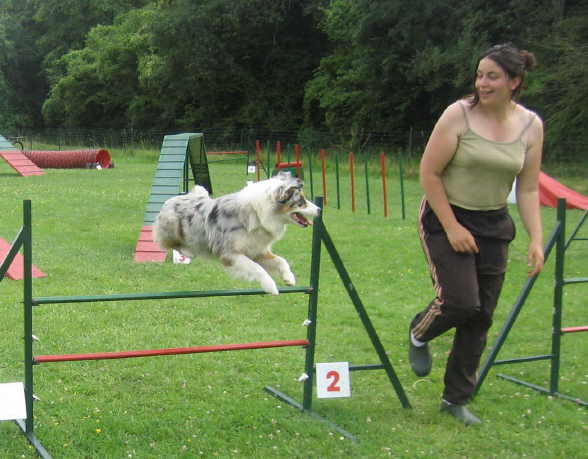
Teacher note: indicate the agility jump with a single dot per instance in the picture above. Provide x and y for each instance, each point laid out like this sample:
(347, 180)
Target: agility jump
(557, 239)
(320, 237)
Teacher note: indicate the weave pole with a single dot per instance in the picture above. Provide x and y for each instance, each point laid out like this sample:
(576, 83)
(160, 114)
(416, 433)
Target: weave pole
(367, 183)
(337, 182)
(258, 160)
(352, 179)
(384, 187)
(278, 152)
(322, 155)
(297, 160)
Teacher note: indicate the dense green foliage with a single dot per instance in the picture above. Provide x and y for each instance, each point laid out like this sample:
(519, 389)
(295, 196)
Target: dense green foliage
(353, 67)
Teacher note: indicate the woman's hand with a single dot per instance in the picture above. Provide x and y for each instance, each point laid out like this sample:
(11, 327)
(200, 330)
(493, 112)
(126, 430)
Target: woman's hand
(535, 259)
(461, 239)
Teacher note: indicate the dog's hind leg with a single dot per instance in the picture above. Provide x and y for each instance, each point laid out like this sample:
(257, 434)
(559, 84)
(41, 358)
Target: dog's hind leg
(277, 266)
(243, 267)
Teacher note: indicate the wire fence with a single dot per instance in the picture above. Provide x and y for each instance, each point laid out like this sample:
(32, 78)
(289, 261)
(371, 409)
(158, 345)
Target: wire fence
(410, 142)
(221, 139)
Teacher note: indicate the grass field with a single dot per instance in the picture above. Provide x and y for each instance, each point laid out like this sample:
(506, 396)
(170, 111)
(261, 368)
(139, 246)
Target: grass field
(85, 226)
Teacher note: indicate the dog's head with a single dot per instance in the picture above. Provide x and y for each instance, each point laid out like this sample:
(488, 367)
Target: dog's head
(291, 202)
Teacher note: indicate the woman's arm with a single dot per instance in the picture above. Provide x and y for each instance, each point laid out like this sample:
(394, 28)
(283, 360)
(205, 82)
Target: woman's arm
(438, 152)
(527, 192)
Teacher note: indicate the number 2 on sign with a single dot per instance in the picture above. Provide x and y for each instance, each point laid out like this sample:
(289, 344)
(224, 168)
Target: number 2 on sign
(332, 380)
(334, 385)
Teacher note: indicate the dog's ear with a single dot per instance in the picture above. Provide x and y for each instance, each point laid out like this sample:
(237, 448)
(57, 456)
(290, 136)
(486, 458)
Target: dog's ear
(248, 217)
(285, 193)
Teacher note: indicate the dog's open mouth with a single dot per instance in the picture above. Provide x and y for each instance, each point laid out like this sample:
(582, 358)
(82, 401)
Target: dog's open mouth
(300, 219)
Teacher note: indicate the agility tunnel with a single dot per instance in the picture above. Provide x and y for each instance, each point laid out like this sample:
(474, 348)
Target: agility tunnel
(70, 159)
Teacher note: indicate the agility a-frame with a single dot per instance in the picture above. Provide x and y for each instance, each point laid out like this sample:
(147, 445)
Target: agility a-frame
(320, 237)
(182, 163)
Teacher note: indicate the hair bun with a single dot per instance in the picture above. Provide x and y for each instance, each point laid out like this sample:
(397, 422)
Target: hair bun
(529, 59)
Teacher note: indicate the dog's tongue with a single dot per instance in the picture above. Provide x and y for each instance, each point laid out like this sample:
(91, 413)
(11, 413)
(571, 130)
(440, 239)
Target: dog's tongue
(301, 219)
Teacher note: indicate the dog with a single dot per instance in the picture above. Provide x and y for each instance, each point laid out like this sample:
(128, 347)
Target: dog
(238, 229)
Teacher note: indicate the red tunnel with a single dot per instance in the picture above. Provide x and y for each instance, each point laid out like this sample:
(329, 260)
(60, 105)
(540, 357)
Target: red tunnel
(48, 159)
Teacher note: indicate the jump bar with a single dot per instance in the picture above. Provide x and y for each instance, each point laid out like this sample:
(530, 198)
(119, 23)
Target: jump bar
(169, 351)
(575, 329)
(160, 295)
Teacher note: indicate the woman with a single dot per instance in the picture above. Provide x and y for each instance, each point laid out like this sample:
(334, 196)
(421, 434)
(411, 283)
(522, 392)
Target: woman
(477, 148)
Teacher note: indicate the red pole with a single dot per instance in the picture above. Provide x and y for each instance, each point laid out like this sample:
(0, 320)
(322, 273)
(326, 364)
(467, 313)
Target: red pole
(352, 178)
(323, 156)
(257, 158)
(384, 189)
(169, 351)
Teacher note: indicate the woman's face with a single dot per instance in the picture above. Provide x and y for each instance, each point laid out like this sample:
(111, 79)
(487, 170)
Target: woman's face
(493, 85)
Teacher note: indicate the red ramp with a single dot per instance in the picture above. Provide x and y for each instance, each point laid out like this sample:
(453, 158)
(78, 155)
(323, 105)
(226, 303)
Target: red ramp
(16, 269)
(147, 250)
(550, 190)
(20, 163)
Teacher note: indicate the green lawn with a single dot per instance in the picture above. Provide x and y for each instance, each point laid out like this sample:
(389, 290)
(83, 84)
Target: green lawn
(85, 226)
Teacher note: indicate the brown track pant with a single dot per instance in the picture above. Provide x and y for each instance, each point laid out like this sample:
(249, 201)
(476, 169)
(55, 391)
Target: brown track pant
(467, 288)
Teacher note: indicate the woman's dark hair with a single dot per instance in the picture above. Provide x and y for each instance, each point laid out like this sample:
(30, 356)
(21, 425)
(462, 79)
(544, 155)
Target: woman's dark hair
(513, 61)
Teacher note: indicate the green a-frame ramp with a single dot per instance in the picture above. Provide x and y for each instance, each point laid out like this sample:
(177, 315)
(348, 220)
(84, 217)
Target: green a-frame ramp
(181, 156)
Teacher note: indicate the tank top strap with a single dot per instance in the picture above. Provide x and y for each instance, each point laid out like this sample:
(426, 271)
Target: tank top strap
(528, 125)
(465, 114)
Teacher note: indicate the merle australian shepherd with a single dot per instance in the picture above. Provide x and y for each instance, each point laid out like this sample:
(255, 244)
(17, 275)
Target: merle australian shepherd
(238, 229)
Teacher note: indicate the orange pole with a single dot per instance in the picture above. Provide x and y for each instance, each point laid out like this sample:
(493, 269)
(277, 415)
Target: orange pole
(323, 157)
(352, 178)
(384, 188)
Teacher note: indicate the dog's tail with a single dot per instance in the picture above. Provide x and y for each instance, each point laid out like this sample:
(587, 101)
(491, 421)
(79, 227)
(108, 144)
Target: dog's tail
(167, 230)
(200, 192)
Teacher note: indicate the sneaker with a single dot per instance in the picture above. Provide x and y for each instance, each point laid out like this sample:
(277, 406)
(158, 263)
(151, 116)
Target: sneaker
(460, 412)
(420, 358)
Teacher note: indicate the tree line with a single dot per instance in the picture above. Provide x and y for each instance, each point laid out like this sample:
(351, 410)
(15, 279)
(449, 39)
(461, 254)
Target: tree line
(349, 67)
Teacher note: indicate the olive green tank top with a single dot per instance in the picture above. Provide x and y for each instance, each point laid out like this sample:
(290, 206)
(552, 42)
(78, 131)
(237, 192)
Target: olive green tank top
(481, 173)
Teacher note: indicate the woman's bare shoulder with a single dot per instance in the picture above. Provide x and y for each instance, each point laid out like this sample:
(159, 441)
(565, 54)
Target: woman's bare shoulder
(454, 116)
(528, 114)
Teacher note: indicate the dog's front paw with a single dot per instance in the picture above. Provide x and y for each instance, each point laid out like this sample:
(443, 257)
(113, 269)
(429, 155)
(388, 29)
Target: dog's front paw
(269, 286)
(289, 278)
